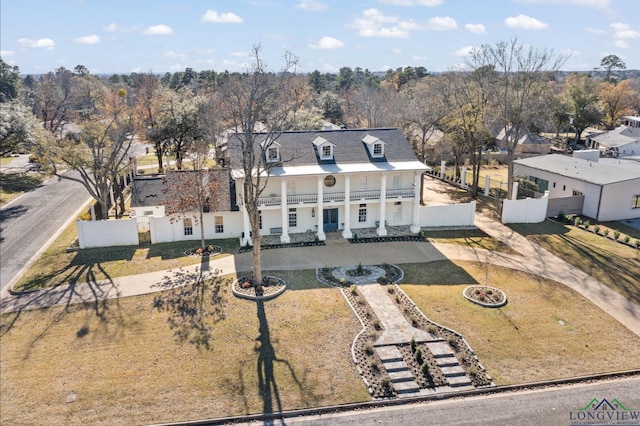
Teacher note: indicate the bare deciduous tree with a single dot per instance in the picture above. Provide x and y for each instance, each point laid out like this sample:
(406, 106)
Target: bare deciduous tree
(247, 100)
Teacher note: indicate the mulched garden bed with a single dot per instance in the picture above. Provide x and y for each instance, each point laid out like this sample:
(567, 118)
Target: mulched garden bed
(393, 274)
(386, 239)
(486, 296)
(278, 246)
(270, 287)
(207, 251)
(434, 376)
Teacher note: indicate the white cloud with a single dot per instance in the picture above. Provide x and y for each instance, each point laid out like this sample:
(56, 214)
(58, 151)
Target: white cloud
(624, 31)
(158, 30)
(6, 53)
(112, 27)
(327, 43)
(221, 18)
(599, 4)
(412, 2)
(173, 54)
(476, 28)
(45, 43)
(525, 22)
(310, 5)
(90, 39)
(464, 51)
(439, 23)
(374, 23)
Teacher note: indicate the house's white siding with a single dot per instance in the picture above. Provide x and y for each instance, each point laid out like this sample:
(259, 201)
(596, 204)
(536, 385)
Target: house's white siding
(164, 229)
(616, 203)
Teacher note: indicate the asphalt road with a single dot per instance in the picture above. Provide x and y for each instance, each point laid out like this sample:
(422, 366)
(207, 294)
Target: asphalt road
(30, 221)
(549, 406)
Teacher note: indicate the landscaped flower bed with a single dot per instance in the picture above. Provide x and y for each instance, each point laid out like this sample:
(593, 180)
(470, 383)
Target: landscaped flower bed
(269, 288)
(387, 239)
(278, 246)
(598, 229)
(210, 250)
(486, 296)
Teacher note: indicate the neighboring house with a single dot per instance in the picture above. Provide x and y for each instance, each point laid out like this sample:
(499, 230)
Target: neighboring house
(623, 141)
(336, 180)
(529, 143)
(322, 181)
(610, 189)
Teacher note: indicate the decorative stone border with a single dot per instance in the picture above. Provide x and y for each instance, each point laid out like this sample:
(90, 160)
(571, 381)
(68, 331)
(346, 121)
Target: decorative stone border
(467, 291)
(270, 291)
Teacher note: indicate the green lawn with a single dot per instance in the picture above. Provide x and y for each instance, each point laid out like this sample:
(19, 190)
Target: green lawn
(612, 263)
(546, 330)
(14, 184)
(190, 353)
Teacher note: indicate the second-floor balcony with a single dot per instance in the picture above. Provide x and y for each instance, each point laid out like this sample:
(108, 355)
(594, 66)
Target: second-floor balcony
(276, 200)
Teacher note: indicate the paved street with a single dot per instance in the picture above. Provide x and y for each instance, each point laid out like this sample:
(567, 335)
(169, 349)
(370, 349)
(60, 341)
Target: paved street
(28, 223)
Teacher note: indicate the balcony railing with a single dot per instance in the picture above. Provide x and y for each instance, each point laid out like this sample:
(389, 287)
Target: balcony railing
(275, 200)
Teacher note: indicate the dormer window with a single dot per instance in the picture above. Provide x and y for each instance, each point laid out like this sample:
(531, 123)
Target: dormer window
(271, 151)
(324, 148)
(375, 146)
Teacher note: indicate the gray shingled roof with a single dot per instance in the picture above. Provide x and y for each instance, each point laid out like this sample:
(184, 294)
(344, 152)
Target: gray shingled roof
(600, 173)
(297, 148)
(147, 190)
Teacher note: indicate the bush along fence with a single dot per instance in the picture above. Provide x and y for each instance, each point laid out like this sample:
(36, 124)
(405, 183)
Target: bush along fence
(598, 229)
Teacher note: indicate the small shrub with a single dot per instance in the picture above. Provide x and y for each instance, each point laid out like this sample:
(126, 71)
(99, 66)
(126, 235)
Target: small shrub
(377, 325)
(398, 299)
(413, 345)
(586, 224)
(342, 281)
(368, 350)
(605, 232)
(432, 329)
(391, 289)
(596, 229)
(353, 288)
(245, 285)
(561, 216)
(577, 221)
(414, 322)
(386, 383)
(637, 243)
(616, 234)
(375, 367)
(626, 239)
(355, 236)
(383, 279)
(359, 269)
(259, 289)
(418, 355)
(453, 342)
(425, 368)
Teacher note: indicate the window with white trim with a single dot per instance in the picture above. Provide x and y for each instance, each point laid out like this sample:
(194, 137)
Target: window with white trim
(327, 152)
(273, 154)
(293, 218)
(188, 226)
(362, 213)
(219, 224)
(377, 149)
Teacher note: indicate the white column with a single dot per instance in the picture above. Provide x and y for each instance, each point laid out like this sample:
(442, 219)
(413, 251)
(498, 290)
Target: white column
(246, 227)
(382, 231)
(463, 179)
(442, 168)
(487, 185)
(346, 232)
(284, 209)
(319, 208)
(415, 221)
(514, 191)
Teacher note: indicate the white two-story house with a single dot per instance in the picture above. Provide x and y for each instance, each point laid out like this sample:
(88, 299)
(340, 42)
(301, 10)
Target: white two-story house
(337, 180)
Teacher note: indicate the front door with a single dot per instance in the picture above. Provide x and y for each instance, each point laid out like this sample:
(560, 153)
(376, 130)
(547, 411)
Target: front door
(330, 220)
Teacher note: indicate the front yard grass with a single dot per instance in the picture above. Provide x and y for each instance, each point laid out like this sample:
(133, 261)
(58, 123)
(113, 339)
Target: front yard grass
(14, 184)
(474, 238)
(56, 266)
(178, 355)
(546, 330)
(613, 264)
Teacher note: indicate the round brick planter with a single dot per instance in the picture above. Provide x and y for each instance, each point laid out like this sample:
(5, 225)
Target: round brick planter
(489, 297)
(272, 287)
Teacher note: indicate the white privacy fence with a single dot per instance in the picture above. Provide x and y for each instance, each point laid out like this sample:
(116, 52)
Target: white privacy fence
(107, 233)
(453, 215)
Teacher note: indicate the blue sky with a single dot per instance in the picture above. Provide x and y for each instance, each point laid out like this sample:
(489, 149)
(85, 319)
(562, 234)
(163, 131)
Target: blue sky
(119, 36)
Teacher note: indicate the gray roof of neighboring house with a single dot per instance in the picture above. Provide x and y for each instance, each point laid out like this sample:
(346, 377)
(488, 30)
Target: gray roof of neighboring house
(620, 136)
(147, 190)
(297, 149)
(528, 138)
(600, 173)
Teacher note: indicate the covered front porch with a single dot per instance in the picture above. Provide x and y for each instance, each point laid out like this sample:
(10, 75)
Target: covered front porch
(310, 236)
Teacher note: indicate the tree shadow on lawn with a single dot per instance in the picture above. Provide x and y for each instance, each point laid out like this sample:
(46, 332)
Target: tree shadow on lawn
(623, 273)
(192, 299)
(439, 272)
(75, 295)
(267, 385)
(19, 182)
